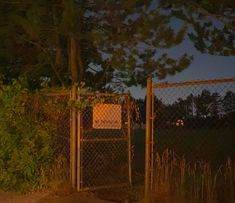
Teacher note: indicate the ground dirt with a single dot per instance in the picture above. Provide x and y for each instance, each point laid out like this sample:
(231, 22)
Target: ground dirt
(50, 197)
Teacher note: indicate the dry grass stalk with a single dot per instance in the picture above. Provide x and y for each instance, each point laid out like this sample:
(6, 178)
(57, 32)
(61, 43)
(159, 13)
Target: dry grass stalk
(174, 176)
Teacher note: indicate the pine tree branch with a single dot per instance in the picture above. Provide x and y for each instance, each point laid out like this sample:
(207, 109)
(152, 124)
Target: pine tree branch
(48, 57)
(203, 11)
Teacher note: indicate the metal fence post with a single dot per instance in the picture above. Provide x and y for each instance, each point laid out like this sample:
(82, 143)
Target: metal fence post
(129, 138)
(73, 140)
(148, 136)
(152, 117)
(78, 147)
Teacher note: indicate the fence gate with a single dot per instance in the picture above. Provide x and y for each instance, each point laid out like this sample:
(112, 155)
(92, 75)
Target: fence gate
(189, 135)
(103, 158)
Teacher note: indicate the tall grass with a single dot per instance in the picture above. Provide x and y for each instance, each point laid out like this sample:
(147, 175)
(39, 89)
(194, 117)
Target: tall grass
(173, 176)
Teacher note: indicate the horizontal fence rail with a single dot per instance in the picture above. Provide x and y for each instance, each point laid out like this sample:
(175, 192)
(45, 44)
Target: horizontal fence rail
(105, 148)
(190, 83)
(50, 110)
(192, 128)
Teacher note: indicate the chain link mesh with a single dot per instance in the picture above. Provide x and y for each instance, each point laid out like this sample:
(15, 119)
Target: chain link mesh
(52, 109)
(193, 128)
(104, 150)
(197, 121)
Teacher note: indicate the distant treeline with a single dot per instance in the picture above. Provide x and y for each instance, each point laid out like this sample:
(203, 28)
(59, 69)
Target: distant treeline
(204, 110)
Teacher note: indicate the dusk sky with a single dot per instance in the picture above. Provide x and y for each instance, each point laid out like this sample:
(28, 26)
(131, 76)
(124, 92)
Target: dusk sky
(203, 66)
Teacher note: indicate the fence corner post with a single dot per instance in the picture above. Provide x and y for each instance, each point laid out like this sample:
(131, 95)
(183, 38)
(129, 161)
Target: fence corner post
(78, 137)
(129, 138)
(148, 136)
(73, 132)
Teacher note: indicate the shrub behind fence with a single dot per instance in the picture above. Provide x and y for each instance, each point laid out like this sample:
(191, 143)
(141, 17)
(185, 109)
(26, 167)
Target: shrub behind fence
(52, 108)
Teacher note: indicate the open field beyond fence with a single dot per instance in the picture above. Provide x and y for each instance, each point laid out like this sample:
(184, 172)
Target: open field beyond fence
(213, 145)
(196, 164)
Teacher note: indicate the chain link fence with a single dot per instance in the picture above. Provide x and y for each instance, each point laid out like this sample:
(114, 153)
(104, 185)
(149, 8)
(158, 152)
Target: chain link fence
(100, 123)
(196, 120)
(105, 141)
(51, 110)
(192, 128)
(64, 138)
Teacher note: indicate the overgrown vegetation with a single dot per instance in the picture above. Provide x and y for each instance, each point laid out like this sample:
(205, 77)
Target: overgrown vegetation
(195, 182)
(189, 165)
(28, 145)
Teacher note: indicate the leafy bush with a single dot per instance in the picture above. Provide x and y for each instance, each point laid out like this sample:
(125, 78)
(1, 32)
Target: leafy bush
(26, 151)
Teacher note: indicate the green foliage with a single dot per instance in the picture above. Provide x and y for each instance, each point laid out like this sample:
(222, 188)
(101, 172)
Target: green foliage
(117, 41)
(211, 23)
(26, 145)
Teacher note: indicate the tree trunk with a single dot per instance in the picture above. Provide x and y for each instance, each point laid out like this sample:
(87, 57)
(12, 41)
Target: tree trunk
(73, 59)
(58, 58)
(59, 55)
(80, 63)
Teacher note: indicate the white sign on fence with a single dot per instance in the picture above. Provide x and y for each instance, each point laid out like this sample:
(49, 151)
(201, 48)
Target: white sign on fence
(107, 116)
